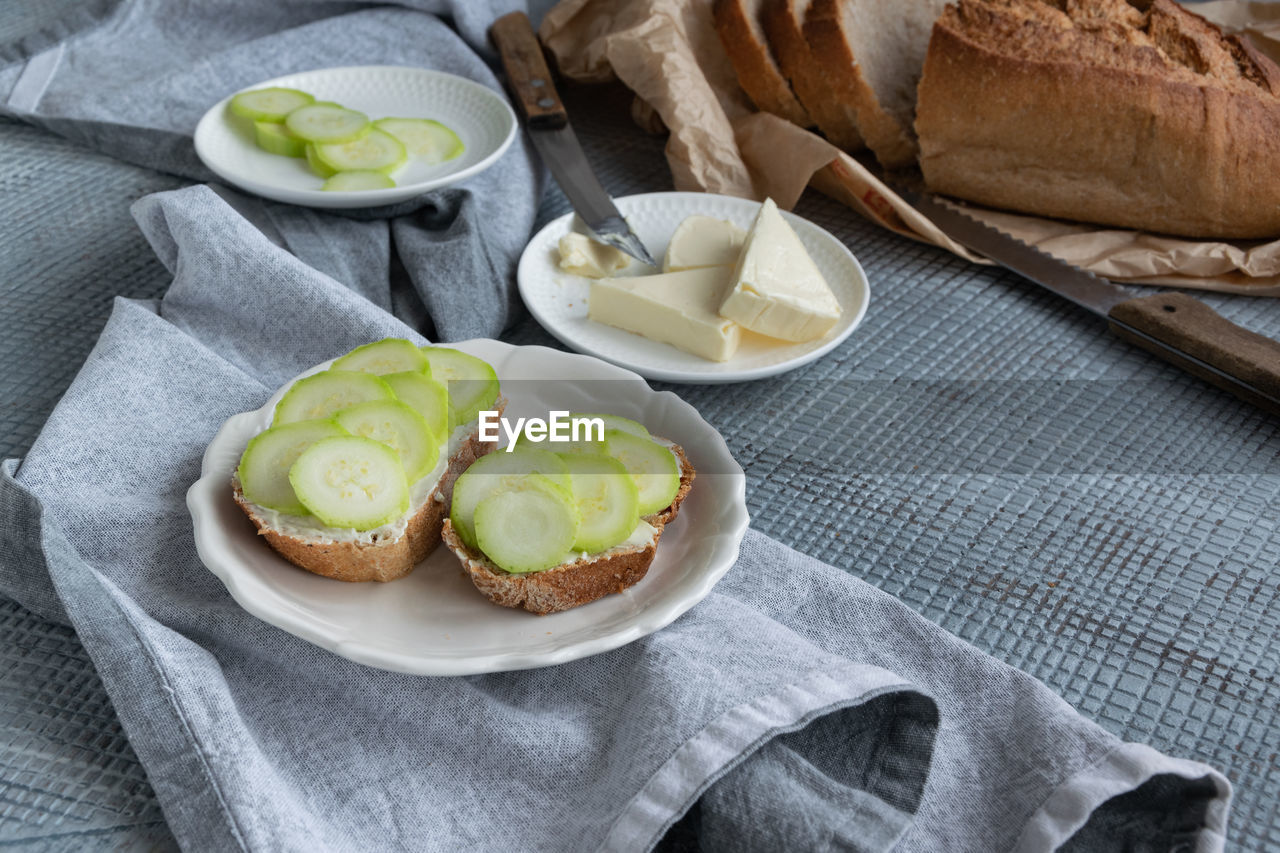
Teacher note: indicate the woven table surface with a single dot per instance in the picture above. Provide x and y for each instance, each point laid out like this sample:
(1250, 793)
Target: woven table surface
(985, 452)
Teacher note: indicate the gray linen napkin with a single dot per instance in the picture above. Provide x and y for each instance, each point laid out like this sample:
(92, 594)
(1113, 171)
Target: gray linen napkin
(139, 74)
(799, 707)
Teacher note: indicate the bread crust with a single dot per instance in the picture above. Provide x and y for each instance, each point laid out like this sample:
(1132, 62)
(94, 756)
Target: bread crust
(560, 588)
(572, 585)
(386, 560)
(824, 30)
(1118, 134)
(783, 22)
(744, 41)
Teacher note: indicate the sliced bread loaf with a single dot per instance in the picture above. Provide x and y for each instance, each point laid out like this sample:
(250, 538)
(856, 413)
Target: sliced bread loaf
(871, 52)
(783, 22)
(1101, 111)
(581, 580)
(738, 25)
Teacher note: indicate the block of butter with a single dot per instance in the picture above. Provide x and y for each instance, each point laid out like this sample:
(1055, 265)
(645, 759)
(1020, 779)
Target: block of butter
(776, 288)
(703, 241)
(677, 308)
(581, 255)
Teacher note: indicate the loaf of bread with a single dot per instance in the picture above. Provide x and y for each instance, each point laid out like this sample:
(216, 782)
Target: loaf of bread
(783, 22)
(740, 30)
(1135, 114)
(871, 52)
(575, 583)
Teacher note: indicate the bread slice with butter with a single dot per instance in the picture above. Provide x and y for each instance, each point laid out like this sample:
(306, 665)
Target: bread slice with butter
(384, 554)
(579, 579)
(776, 289)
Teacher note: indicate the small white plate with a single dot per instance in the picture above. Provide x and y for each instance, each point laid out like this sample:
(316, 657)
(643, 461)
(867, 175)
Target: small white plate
(480, 117)
(435, 622)
(559, 300)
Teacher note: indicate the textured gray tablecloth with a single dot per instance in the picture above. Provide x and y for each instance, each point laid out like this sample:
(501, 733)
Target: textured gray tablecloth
(805, 704)
(1184, 691)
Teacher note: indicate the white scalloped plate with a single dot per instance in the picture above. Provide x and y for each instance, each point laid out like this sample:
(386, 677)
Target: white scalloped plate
(434, 622)
(479, 115)
(559, 300)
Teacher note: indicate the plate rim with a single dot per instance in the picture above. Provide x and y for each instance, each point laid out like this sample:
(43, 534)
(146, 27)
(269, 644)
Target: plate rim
(688, 377)
(360, 198)
(236, 576)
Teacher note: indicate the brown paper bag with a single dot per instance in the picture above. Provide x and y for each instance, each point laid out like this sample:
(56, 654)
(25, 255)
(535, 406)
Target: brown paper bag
(667, 52)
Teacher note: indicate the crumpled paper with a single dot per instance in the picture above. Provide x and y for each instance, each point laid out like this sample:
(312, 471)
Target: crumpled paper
(667, 52)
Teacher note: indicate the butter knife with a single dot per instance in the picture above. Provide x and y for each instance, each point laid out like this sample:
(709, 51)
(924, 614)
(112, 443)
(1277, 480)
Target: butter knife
(1178, 328)
(548, 125)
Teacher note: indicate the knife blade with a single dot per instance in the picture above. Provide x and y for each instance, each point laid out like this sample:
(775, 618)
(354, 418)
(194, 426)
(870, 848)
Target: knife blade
(1176, 327)
(548, 125)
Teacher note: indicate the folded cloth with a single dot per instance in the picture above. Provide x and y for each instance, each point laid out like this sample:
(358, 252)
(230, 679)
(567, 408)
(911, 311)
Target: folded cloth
(797, 706)
(134, 83)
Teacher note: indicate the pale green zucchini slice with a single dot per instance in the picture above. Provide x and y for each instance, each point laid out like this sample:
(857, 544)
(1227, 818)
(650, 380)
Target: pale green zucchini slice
(397, 426)
(653, 466)
(425, 396)
(389, 355)
(323, 395)
(374, 151)
(607, 499)
(528, 528)
(617, 422)
(358, 181)
(327, 123)
(424, 138)
(264, 467)
(272, 104)
(351, 482)
(316, 166)
(275, 138)
(472, 384)
(500, 472)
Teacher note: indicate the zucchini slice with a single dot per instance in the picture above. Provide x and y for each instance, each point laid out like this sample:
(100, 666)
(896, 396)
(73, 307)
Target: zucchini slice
(358, 181)
(351, 481)
(528, 528)
(271, 104)
(327, 123)
(375, 151)
(424, 138)
(323, 395)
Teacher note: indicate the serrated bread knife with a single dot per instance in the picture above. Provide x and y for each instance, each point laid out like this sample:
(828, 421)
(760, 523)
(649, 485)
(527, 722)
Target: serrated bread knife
(1174, 326)
(548, 125)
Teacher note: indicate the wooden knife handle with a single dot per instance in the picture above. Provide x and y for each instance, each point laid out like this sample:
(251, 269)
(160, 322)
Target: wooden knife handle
(1184, 331)
(527, 71)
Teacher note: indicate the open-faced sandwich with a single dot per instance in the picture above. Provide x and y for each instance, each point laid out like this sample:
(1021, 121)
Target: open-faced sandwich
(548, 531)
(354, 477)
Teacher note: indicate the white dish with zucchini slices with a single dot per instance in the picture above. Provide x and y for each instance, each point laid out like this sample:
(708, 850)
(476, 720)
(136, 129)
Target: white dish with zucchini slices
(434, 621)
(373, 135)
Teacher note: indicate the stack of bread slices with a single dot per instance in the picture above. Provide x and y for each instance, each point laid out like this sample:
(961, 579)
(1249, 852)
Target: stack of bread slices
(1134, 113)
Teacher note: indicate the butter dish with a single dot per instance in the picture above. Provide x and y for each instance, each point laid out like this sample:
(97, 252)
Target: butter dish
(558, 299)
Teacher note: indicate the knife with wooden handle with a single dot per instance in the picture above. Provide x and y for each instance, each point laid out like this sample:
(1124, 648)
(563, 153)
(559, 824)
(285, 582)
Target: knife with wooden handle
(548, 126)
(1178, 328)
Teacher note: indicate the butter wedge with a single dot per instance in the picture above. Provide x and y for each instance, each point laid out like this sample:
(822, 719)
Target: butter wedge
(703, 241)
(581, 255)
(677, 308)
(776, 288)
